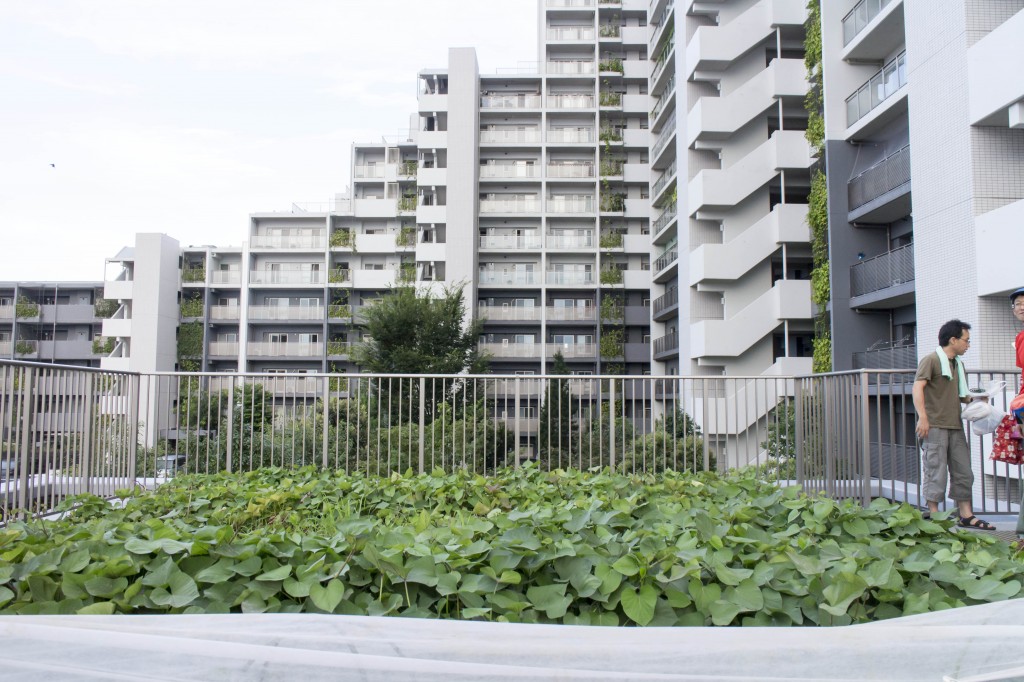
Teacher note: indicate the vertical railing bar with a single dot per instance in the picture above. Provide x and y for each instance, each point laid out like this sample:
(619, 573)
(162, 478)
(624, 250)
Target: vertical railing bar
(423, 422)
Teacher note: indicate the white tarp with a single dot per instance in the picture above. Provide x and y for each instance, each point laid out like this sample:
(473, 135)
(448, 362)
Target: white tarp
(970, 644)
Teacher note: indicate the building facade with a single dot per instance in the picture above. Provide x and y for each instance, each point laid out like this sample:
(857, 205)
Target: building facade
(55, 322)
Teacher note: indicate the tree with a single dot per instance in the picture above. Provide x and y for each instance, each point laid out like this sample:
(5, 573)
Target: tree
(557, 414)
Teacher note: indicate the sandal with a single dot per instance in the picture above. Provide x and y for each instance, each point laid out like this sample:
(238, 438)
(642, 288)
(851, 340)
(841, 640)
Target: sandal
(975, 523)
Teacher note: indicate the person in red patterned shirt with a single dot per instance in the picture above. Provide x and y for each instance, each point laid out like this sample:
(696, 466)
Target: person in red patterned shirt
(1017, 305)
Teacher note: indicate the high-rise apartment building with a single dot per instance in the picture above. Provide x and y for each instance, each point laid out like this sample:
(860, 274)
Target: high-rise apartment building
(56, 322)
(925, 155)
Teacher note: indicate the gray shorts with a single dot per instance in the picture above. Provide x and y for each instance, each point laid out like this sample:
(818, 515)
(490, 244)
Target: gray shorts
(945, 455)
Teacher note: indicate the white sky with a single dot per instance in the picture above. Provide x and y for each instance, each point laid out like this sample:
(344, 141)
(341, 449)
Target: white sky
(185, 116)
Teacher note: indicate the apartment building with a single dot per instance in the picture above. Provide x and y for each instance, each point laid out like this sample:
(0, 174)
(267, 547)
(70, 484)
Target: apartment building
(730, 177)
(925, 153)
(55, 322)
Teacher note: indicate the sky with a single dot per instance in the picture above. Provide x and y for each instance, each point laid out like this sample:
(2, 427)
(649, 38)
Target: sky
(185, 116)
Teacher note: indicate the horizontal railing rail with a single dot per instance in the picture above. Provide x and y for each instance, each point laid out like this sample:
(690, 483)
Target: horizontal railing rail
(883, 271)
(891, 172)
(71, 430)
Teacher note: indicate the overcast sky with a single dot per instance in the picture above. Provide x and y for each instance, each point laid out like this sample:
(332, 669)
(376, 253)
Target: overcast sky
(184, 116)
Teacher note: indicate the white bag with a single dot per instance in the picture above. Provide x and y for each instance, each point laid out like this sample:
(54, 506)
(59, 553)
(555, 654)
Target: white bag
(988, 422)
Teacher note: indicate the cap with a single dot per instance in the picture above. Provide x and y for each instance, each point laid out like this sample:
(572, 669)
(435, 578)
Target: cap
(1015, 294)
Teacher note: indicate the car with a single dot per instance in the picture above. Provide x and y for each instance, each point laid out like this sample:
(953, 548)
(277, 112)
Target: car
(8, 468)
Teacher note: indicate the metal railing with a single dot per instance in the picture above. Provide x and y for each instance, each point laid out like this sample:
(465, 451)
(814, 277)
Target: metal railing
(564, 204)
(518, 100)
(571, 170)
(666, 300)
(70, 430)
(513, 204)
(877, 89)
(286, 277)
(511, 136)
(570, 277)
(576, 241)
(570, 66)
(509, 241)
(510, 170)
(571, 101)
(666, 344)
(885, 176)
(571, 33)
(667, 216)
(881, 272)
(890, 357)
(860, 16)
(667, 175)
(570, 135)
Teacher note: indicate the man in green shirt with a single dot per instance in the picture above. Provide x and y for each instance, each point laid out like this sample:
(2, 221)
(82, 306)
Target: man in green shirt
(940, 385)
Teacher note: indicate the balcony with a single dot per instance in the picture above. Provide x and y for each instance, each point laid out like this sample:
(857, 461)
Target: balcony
(892, 269)
(880, 87)
(569, 3)
(715, 48)
(509, 170)
(280, 241)
(510, 136)
(286, 277)
(564, 242)
(562, 204)
(663, 181)
(567, 67)
(666, 304)
(667, 258)
(6, 348)
(571, 135)
(666, 217)
(569, 278)
(510, 313)
(509, 241)
(884, 355)
(226, 277)
(285, 312)
(512, 350)
(561, 33)
(572, 350)
(223, 349)
(570, 170)
(577, 313)
(878, 188)
(225, 313)
(368, 171)
(666, 346)
(509, 278)
(859, 17)
(511, 205)
(6, 312)
(574, 101)
(513, 101)
(271, 349)
(339, 276)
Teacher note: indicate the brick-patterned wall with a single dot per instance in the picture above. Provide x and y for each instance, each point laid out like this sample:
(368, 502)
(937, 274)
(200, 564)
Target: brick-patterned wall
(997, 157)
(985, 16)
(999, 328)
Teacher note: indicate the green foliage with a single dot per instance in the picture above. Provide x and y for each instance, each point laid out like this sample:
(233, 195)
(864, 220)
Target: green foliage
(611, 343)
(817, 219)
(822, 359)
(104, 308)
(610, 135)
(193, 274)
(25, 308)
(611, 240)
(190, 343)
(407, 168)
(192, 306)
(611, 308)
(814, 101)
(611, 275)
(611, 99)
(522, 546)
(613, 64)
(407, 203)
(820, 291)
(337, 347)
(343, 238)
(406, 237)
(557, 414)
(339, 311)
(407, 273)
(339, 275)
(102, 345)
(25, 347)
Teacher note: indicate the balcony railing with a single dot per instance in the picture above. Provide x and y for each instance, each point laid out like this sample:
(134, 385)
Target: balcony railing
(670, 256)
(571, 170)
(575, 101)
(513, 101)
(279, 241)
(576, 241)
(511, 278)
(859, 17)
(271, 349)
(513, 136)
(286, 277)
(663, 139)
(572, 350)
(570, 66)
(666, 300)
(511, 205)
(509, 241)
(570, 205)
(884, 176)
(667, 216)
(288, 312)
(569, 278)
(223, 349)
(369, 171)
(666, 344)
(510, 170)
(571, 135)
(226, 277)
(574, 314)
(663, 180)
(877, 89)
(665, 95)
(892, 357)
(511, 312)
(570, 3)
(512, 350)
(884, 271)
(571, 33)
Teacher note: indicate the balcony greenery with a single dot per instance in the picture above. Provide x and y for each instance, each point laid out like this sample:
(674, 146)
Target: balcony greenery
(407, 168)
(407, 203)
(611, 343)
(407, 273)
(192, 307)
(610, 135)
(817, 214)
(611, 168)
(611, 275)
(339, 312)
(614, 64)
(193, 274)
(104, 308)
(613, 203)
(190, 346)
(102, 345)
(611, 240)
(609, 30)
(25, 308)
(611, 308)
(343, 239)
(406, 236)
(337, 347)
(339, 275)
(25, 347)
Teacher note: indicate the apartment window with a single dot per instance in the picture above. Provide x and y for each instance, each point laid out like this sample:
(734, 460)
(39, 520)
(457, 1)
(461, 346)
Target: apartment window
(270, 337)
(227, 337)
(309, 338)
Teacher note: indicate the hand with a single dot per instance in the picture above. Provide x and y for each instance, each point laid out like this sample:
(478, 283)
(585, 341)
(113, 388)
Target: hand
(922, 427)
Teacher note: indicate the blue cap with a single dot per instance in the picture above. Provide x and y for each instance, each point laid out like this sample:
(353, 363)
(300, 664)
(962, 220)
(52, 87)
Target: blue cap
(1015, 294)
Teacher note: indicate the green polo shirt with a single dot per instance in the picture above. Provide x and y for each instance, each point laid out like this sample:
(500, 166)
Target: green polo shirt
(941, 394)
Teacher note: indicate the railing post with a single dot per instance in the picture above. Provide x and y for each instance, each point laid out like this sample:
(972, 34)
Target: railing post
(799, 432)
(516, 421)
(87, 431)
(27, 410)
(423, 423)
(134, 400)
(865, 436)
(323, 423)
(611, 422)
(229, 455)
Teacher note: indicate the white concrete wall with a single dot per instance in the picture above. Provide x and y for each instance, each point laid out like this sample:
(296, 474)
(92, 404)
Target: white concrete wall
(463, 169)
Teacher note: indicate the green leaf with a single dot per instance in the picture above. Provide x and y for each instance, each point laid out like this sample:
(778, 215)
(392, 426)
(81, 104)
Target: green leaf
(327, 597)
(627, 565)
(279, 573)
(639, 605)
(101, 586)
(841, 592)
(100, 608)
(549, 598)
(747, 596)
(183, 591)
(723, 612)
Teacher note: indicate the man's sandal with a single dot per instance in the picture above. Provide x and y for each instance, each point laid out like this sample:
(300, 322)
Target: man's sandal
(975, 523)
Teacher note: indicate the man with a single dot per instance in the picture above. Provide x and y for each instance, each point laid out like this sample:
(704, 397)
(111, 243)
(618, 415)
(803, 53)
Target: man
(939, 387)
(1017, 306)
